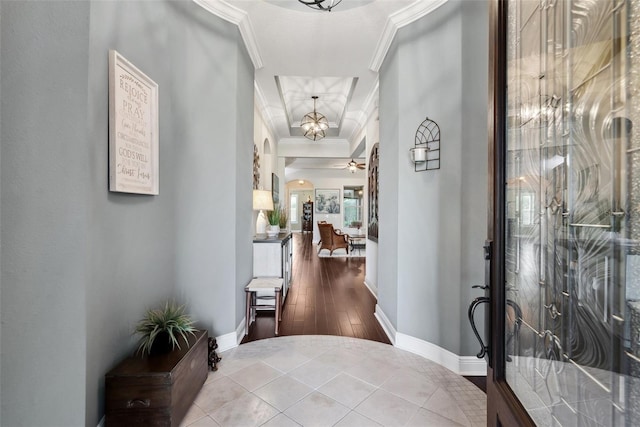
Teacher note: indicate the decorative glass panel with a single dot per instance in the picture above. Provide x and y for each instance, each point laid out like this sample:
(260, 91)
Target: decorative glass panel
(573, 217)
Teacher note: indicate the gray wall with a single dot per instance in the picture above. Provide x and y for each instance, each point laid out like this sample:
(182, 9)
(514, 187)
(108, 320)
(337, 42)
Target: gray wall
(90, 261)
(243, 178)
(475, 92)
(388, 179)
(0, 213)
(46, 205)
(434, 221)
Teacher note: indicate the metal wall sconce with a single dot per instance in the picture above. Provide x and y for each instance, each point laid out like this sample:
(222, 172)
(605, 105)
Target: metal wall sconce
(425, 155)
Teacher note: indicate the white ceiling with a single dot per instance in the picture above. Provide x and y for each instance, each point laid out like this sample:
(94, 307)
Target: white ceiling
(299, 52)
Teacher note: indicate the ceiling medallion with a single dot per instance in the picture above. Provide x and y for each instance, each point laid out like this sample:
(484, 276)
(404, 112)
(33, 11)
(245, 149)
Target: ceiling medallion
(325, 5)
(314, 124)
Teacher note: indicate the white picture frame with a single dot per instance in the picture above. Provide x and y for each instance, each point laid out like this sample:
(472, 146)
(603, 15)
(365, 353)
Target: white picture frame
(327, 201)
(133, 129)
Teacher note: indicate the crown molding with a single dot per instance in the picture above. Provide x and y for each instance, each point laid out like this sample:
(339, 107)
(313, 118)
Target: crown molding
(240, 18)
(262, 104)
(401, 18)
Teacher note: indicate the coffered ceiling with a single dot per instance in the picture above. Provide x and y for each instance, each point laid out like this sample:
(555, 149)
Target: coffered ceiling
(299, 52)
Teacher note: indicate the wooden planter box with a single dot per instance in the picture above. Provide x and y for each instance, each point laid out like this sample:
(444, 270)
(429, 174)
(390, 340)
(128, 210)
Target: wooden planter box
(156, 390)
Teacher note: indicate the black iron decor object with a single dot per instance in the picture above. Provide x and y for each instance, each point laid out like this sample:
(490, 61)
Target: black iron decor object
(213, 354)
(325, 5)
(425, 154)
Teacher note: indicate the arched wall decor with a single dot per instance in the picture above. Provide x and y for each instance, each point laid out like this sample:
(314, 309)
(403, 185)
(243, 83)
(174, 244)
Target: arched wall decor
(425, 154)
(373, 185)
(256, 168)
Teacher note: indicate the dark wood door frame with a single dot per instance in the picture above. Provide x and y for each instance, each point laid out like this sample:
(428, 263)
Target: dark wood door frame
(503, 407)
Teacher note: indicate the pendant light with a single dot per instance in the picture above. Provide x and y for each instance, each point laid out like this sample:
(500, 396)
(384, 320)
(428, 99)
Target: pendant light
(314, 124)
(325, 5)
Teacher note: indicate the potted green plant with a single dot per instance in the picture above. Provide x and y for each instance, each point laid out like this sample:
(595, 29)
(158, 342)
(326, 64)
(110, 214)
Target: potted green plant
(284, 217)
(162, 328)
(274, 222)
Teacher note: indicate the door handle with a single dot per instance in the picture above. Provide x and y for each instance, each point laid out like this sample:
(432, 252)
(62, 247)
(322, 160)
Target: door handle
(487, 255)
(471, 313)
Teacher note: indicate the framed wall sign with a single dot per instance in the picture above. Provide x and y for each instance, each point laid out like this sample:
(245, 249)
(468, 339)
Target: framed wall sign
(133, 129)
(327, 201)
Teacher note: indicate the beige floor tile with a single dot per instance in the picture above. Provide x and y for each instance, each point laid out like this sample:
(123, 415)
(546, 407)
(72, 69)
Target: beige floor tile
(281, 421)
(445, 404)
(317, 410)
(286, 361)
(205, 422)
(255, 376)
(387, 409)
(412, 386)
(372, 372)
(193, 415)
(341, 359)
(283, 392)
(214, 395)
(314, 373)
(347, 390)
(425, 417)
(354, 419)
(247, 411)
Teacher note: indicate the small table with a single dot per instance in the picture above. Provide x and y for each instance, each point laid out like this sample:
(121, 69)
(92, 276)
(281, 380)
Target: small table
(357, 241)
(263, 284)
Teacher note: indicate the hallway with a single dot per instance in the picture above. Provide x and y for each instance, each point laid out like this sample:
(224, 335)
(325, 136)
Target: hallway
(327, 297)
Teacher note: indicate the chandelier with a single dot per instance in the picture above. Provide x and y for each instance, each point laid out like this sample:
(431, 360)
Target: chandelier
(314, 124)
(320, 4)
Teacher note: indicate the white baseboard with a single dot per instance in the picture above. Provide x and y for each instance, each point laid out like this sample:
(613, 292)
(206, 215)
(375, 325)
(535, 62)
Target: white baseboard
(372, 288)
(101, 423)
(472, 366)
(386, 324)
(240, 330)
(232, 339)
(461, 365)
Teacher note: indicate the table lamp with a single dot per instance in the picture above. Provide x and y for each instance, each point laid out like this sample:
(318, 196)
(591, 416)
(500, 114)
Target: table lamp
(262, 200)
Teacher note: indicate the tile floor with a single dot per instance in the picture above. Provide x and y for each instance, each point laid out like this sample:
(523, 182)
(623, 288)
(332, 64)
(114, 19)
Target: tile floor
(322, 380)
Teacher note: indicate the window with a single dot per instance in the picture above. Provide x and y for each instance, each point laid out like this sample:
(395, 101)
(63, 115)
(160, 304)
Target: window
(294, 208)
(527, 208)
(352, 203)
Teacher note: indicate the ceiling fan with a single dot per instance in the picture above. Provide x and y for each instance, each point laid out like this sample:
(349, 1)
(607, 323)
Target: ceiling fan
(353, 165)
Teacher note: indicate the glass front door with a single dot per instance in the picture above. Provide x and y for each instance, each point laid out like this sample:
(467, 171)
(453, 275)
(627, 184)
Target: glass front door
(569, 220)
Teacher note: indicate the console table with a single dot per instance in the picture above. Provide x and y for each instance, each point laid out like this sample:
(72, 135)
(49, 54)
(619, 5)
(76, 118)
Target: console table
(272, 257)
(156, 390)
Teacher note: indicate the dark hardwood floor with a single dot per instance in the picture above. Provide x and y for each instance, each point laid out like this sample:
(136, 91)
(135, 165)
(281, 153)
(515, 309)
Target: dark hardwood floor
(327, 297)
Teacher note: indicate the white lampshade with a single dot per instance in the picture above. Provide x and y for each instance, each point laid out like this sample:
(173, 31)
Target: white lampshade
(262, 200)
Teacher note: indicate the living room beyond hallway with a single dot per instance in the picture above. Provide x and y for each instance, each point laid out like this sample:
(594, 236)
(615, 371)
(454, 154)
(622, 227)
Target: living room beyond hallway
(327, 297)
